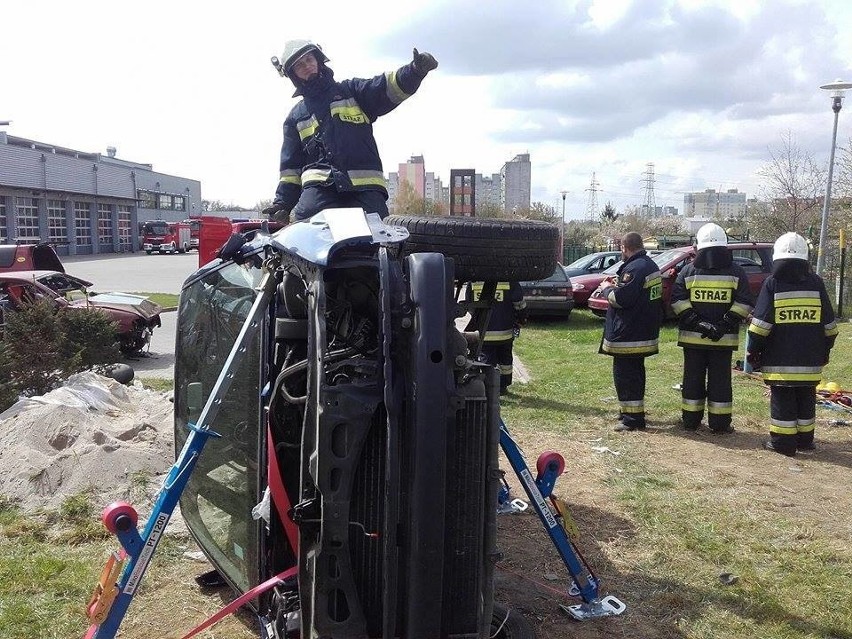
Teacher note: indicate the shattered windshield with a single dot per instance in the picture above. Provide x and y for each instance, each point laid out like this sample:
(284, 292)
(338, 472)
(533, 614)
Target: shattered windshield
(223, 488)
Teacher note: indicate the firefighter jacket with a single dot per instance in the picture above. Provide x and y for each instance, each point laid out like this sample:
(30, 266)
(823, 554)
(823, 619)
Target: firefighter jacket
(633, 318)
(793, 330)
(506, 310)
(712, 294)
(328, 136)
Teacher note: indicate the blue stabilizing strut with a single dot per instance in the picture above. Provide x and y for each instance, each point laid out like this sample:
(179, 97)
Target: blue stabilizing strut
(537, 492)
(140, 548)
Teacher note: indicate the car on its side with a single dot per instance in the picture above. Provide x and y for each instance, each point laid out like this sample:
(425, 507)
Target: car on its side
(551, 296)
(135, 316)
(592, 263)
(754, 257)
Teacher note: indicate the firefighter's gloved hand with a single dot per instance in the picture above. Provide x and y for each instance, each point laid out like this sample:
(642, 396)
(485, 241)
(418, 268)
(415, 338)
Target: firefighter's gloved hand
(277, 213)
(732, 322)
(424, 62)
(706, 329)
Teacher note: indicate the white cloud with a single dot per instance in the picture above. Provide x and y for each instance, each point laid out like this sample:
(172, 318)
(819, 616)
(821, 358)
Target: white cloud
(700, 89)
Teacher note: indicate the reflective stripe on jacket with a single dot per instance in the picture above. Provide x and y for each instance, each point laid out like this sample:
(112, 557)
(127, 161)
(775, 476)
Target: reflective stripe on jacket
(711, 293)
(635, 308)
(508, 301)
(328, 137)
(793, 329)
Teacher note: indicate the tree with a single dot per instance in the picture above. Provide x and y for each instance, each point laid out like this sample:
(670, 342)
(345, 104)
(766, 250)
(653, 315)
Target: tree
(609, 214)
(539, 211)
(793, 186)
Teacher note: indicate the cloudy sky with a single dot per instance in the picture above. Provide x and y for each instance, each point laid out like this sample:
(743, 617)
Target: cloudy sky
(701, 89)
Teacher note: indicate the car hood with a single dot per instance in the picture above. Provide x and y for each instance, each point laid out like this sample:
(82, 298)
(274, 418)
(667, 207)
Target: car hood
(590, 280)
(137, 304)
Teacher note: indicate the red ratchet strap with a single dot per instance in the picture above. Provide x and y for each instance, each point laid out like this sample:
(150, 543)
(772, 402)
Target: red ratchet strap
(279, 495)
(242, 600)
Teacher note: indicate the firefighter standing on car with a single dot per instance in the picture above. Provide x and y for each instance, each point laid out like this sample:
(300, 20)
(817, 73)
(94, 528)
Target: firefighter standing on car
(329, 156)
(790, 337)
(632, 328)
(508, 314)
(711, 298)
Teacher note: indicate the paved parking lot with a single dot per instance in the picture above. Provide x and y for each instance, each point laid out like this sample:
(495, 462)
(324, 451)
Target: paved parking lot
(141, 273)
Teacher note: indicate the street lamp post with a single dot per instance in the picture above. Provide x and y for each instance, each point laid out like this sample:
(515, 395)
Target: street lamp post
(837, 89)
(562, 230)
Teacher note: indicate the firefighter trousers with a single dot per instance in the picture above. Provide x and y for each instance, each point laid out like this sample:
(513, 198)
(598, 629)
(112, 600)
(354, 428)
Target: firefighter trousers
(628, 374)
(707, 379)
(500, 354)
(317, 198)
(792, 413)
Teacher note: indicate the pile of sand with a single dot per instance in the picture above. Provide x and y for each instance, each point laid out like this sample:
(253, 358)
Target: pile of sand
(93, 433)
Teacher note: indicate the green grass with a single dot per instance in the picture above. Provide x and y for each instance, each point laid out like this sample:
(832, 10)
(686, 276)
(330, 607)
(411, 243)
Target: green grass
(166, 300)
(792, 574)
(674, 534)
(160, 384)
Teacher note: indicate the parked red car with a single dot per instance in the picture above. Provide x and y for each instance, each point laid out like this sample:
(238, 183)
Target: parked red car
(136, 317)
(584, 285)
(754, 257)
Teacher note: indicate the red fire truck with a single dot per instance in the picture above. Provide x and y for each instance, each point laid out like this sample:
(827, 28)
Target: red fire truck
(166, 237)
(194, 231)
(215, 231)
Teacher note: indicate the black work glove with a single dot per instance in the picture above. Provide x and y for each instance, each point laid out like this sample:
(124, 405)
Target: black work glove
(731, 322)
(689, 320)
(277, 213)
(424, 62)
(707, 329)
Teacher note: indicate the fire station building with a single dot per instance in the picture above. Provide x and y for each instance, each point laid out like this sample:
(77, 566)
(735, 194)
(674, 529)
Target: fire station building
(84, 203)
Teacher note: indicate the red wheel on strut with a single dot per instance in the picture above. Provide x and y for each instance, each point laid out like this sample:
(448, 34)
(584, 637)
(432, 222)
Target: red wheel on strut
(547, 458)
(119, 516)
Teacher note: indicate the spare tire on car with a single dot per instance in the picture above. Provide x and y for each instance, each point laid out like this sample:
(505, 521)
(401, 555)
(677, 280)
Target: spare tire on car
(485, 249)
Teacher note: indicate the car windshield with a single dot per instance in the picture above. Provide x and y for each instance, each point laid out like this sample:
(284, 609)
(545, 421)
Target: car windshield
(612, 270)
(583, 262)
(666, 257)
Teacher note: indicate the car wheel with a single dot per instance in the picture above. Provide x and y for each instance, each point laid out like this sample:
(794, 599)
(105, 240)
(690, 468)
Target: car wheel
(485, 249)
(509, 624)
(597, 312)
(149, 252)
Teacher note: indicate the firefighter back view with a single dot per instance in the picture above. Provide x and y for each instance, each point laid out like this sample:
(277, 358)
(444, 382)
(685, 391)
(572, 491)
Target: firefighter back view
(711, 298)
(791, 335)
(508, 313)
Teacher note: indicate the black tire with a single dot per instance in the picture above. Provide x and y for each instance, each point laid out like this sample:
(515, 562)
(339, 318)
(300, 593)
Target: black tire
(513, 626)
(485, 249)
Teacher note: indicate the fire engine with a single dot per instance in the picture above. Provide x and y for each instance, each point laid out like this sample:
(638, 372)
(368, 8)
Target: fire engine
(166, 237)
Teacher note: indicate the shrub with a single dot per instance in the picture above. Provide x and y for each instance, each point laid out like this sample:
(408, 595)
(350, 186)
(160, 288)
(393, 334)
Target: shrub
(89, 339)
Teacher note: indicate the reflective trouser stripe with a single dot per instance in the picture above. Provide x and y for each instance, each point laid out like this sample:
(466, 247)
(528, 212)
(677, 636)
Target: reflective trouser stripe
(805, 425)
(632, 407)
(720, 408)
(783, 427)
(692, 405)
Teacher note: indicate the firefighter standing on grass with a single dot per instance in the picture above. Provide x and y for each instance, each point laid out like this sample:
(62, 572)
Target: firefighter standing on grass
(632, 329)
(791, 334)
(711, 298)
(508, 314)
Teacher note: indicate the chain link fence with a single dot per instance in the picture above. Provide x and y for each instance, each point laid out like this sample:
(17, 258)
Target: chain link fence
(837, 275)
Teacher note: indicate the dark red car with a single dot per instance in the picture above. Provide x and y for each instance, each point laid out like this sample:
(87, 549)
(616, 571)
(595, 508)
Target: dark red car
(135, 316)
(754, 257)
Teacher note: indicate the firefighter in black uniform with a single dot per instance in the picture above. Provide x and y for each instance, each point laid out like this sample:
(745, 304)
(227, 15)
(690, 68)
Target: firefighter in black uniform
(790, 336)
(632, 328)
(329, 156)
(711, 298)
(508, 314)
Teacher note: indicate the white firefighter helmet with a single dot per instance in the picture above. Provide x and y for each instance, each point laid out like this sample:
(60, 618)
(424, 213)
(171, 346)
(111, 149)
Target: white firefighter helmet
(790, 246)
(295, 49)
(710, 235)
